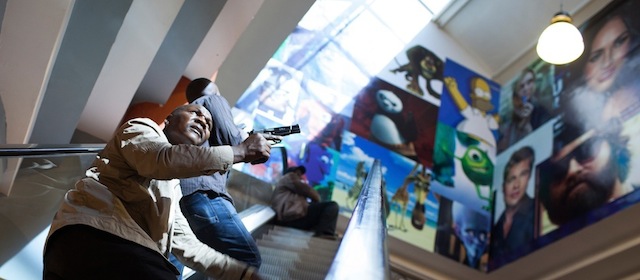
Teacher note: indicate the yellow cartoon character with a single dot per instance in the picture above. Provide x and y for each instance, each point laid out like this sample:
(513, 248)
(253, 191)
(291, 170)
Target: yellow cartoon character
(477, 122)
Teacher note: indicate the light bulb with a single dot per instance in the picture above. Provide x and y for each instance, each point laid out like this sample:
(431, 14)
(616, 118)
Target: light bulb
(561, 42)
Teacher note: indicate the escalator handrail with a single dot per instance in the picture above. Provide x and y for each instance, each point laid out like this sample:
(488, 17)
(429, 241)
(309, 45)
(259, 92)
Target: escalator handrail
(363, 250)
(34, 150)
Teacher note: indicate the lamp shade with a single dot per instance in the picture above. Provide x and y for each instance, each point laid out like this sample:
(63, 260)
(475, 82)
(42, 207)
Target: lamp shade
(561, 42)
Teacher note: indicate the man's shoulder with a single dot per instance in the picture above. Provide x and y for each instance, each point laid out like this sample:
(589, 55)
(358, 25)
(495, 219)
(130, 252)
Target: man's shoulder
(145, 121)
(140, 123)
(141, 129)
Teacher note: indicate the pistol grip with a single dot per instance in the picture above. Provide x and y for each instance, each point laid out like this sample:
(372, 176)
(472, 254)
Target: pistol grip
(259, 161)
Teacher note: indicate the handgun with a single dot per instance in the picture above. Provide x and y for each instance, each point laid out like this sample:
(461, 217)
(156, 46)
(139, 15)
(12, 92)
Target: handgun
(280, 131)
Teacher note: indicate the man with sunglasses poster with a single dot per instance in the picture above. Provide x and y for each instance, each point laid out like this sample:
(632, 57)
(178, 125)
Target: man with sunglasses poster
(587, 170)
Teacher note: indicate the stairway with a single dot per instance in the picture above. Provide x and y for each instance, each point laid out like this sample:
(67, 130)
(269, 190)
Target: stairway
(289, 253)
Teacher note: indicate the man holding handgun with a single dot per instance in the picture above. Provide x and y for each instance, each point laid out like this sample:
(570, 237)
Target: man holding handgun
(121, 220)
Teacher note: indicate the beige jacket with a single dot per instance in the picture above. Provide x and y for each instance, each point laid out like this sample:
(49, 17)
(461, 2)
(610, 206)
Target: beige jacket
(131, 192)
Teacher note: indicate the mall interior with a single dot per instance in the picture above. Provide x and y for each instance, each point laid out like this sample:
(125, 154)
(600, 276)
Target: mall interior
(72, 70)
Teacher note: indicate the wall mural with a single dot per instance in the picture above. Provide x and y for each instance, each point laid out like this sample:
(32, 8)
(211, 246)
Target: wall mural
(474, 171)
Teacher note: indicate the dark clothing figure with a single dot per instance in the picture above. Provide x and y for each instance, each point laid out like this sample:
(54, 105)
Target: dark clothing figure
(539, 116)
(520, 233)
(223, 132)
(292, 209)
(123, 255)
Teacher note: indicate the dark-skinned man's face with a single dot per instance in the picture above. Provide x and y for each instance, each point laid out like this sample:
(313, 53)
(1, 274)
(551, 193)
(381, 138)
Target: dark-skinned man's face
(188, 124)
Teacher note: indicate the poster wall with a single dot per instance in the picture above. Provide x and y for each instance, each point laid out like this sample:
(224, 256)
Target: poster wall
(477, 172)
(464, 160)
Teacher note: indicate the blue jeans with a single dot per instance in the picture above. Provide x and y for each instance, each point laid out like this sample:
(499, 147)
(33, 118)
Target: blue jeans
(215, 222)
(177, 263)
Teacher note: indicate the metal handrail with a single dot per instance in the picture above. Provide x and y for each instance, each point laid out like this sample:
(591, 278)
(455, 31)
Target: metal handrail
(363, 250)
(34, 150)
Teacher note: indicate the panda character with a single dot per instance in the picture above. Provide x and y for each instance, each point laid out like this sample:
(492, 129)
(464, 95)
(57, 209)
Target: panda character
(390, 127)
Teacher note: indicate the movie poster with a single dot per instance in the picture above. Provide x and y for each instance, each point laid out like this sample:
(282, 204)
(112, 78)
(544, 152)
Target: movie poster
(465, 143)
(592, 140)
(527, 102)
(556, 147)
(464, 162)
(514, 225)
(411, 208)
(396, 120)
(417, 70)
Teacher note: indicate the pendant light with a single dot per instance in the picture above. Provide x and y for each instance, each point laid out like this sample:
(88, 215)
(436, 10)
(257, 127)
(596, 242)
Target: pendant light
(561, 42)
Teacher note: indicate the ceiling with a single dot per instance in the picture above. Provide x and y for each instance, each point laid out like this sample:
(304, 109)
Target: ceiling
(504, 32)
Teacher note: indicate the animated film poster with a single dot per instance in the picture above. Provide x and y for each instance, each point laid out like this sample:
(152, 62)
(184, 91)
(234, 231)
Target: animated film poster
(417, 70)
(317, 147)
(464, 160)
(465, 153)
(396, 120)
(411, 208)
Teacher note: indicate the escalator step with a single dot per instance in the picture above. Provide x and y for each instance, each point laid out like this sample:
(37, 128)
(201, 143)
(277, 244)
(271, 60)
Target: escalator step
(297, 256)
(277, 272)
(289, 253)
(313, 265)
(302, 243)
(292, 247)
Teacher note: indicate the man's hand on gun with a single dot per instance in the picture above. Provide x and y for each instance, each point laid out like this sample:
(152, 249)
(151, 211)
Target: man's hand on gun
(275, 135)
(255, 149)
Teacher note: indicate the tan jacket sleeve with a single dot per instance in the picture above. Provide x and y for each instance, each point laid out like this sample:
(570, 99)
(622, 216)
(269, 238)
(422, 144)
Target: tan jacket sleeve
(145, 147)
